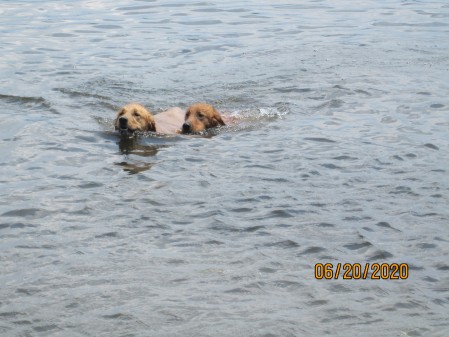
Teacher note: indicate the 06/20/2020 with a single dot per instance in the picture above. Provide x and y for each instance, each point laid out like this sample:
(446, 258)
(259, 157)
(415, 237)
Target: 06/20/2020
(357, 271)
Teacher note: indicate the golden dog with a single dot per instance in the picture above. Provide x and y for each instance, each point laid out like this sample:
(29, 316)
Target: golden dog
(134, 117)
(198, 117)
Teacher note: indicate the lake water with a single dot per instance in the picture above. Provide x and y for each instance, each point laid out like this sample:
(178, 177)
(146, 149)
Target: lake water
(341, 156)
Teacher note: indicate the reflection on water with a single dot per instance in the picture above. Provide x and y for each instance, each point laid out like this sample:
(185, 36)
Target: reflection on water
(132, 145)
(135, 168)
(137, 145)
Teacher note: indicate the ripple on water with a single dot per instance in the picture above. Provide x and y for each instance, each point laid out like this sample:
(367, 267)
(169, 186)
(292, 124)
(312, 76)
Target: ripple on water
(28, 213)
(380, 255)
(312, 251)
(319, 139)
(26, 103)
(252, 229)
(386, 225)
(338, 134)
(358, 245)
(287, 244)
(431, 146)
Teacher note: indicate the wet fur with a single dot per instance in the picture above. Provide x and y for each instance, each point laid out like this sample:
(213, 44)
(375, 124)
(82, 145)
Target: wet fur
(200, 117)
(169, 122)
(138, 118)
(197, 118)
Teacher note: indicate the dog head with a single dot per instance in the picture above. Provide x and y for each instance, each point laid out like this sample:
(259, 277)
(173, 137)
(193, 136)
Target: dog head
(200, 117)
(134, 117)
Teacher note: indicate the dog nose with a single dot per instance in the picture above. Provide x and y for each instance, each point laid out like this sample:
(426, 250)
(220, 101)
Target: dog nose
(123, 122)
(186, 128)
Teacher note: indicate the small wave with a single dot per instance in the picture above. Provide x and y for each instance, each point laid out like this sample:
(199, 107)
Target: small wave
(358, 245)
(380, 255)
(312, 250)
(39, 103)
(386, 225)
(321, 140)
(77, 94)
(27, 213)
(283, 244)
(431, 146)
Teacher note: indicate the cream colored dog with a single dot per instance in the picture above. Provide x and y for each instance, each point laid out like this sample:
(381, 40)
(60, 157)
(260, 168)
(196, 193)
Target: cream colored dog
(135, 117)
(200, 117)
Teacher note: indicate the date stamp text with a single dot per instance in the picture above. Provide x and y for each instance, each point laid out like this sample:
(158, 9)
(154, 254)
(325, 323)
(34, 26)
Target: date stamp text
(358, 271)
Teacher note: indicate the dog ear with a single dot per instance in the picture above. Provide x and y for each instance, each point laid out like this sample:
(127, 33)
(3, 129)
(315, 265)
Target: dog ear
(151, 123)
(117, 116)
(119, 113)
(218, 120)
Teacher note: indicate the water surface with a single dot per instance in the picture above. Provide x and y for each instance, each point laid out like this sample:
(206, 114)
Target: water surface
(341, 156)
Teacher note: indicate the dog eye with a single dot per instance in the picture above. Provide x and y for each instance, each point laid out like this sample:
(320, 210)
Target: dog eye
(200, 115)
(136, 114)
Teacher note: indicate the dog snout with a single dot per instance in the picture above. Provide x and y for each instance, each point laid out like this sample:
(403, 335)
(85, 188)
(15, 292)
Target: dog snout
(186, 128)
(123, 121)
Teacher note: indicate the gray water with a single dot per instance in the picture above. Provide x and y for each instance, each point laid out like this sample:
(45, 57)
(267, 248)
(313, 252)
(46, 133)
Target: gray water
(341, 155)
